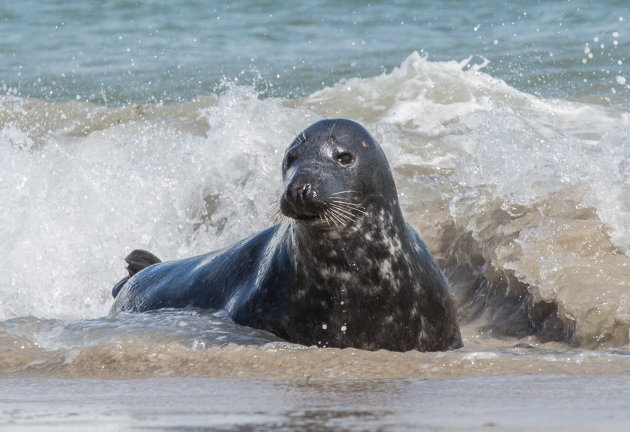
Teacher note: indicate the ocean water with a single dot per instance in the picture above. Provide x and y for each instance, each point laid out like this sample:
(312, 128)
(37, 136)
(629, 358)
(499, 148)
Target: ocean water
(162, 126)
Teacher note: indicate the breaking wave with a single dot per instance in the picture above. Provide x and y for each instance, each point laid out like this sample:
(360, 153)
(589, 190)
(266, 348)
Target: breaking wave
(523, 200)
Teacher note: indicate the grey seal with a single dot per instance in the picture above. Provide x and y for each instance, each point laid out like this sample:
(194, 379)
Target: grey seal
(342, 269)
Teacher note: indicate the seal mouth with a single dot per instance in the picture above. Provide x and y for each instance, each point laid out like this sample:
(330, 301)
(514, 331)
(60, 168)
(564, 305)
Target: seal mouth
(310, 217)
(315, 222)
(305, 218)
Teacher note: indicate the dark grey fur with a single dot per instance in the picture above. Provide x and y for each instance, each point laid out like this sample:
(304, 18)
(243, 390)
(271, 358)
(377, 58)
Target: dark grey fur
(343, 270)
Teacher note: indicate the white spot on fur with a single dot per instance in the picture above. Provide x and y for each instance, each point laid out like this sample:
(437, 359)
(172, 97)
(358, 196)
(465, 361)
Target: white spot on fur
(414, 310)
(386, 270)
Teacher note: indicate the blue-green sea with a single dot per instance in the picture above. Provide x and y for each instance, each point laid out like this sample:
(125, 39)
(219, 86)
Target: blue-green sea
(161, 126)
(117, 52)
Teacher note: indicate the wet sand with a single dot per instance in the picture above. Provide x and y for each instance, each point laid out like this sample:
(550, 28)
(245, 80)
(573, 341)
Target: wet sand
(511, 403)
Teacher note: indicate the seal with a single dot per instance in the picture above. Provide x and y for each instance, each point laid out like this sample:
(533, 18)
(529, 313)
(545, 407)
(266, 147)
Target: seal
(343, 269)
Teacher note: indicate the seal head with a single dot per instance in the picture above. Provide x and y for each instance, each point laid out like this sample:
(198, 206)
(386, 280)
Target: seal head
(329, 166)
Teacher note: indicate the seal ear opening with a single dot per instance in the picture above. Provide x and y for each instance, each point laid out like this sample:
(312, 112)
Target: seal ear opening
(137, 260)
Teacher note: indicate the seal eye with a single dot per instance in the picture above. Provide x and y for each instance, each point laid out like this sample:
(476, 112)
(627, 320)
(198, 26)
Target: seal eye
(345, 158)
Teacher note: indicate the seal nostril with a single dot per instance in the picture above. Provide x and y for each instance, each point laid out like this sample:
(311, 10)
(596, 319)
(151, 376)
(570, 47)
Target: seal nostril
(305, 190)
(301, 192)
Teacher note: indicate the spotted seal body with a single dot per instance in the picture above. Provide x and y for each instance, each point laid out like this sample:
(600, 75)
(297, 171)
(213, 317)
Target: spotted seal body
(343, 269)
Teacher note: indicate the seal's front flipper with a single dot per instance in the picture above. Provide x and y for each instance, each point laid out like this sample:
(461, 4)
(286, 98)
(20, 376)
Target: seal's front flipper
(119, 286)
(137, 260)
(140, 259)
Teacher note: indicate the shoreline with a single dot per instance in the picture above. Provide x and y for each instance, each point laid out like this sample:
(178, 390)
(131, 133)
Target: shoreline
(281, 361)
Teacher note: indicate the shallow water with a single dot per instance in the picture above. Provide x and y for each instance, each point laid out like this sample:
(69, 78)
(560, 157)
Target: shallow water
(202, 344)
(470, 404)
(127, 125)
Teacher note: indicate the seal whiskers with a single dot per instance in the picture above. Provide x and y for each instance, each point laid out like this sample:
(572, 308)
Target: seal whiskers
(323, 215)
(343, 213)
(337, 219)
(274, 214)
(349, 210)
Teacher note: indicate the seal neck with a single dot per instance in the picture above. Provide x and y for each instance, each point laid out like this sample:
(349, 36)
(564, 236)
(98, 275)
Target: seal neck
(348, 282)
(365, 243)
